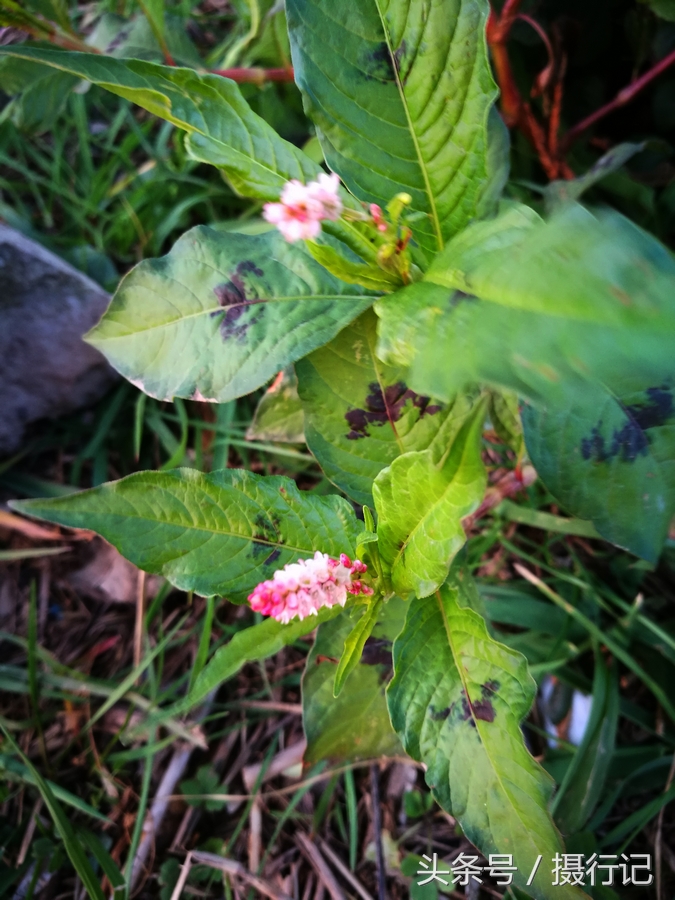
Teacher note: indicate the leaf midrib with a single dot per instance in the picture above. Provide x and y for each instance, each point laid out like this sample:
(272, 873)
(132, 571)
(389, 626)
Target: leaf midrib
(188, 528)
(218, 308)
(413, 134)
(373, 355)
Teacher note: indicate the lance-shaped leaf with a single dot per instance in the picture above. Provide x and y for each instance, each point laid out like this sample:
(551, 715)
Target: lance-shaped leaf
(420, 504)
(355, 642)
(217, 534)
(580, 297)
(587, 334)
(360, 414)
(221, 314)
(254, 643)
(222, 129)
(401, 94)
(611, 460)
(39, 94)
(457, 700)
(356, 724)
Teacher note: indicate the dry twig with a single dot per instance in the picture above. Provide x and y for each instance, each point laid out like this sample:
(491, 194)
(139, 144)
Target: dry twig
(232, 867)
(320, 866)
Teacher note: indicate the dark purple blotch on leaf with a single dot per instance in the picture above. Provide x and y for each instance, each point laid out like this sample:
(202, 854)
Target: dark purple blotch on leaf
(266, 533)
(632, 440)
(235, 296)
(469, 711)
(382, 406)
(378, 64)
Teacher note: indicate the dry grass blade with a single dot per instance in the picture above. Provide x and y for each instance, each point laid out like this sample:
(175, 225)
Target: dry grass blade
(285, 759)
(271, 706)
(138, 627)
(344, 871)
(319, 865)
(255, 835)
(182, 878)
(29, 529)
(232, 867)
(30, 831)
(155, 816)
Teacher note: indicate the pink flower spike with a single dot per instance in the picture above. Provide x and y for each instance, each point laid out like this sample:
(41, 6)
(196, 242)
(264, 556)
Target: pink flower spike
(302, 588)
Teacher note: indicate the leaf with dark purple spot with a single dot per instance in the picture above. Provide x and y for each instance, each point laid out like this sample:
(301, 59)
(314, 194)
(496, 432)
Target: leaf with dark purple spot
(220, 533)
(402, 98)
(610, 459)
(221, 314)
(360, 414)
(457, 700)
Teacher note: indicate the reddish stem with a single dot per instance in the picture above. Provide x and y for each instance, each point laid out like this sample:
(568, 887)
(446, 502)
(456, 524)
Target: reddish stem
(255, 75)
(622, 98)
(542, 34)
(510, 100)
(501, 26)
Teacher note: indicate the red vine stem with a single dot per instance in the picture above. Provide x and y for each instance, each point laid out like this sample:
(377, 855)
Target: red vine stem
(622, 98)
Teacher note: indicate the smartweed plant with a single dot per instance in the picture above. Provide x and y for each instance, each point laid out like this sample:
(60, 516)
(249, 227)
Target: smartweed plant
(416, 305)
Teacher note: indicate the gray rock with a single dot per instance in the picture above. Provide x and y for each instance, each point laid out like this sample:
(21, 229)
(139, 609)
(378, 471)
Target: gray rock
(46, 369)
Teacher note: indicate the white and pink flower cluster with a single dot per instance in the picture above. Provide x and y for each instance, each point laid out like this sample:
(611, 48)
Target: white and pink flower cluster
(301, 589)
(304, 206)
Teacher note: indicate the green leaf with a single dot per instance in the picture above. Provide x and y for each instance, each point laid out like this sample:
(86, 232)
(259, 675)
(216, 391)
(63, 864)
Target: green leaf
(559, 193)
(360, 414)
(585, 778)
(536, 518)
(421, 503)
(505, 418)
(609, 459)
(221, 314)
(222, 129)
(580, 297)
(13, 770)
(457, 700)
(356, 724)
(136, 37)
(401, 95)
(369, 276)
(102, 857)
(217, 534)
(42, 94)
(578, 314)
(665, 9)
(354, 644)
(279, 416)
(205, 781)
(255, 643)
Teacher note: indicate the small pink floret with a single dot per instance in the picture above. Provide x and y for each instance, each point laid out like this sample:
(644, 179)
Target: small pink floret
(376, 213)
(301, 589)
(303, 207)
